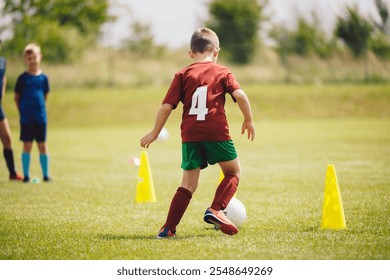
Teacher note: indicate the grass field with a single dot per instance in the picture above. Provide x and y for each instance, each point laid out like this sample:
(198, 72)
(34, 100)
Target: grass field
(89, 210)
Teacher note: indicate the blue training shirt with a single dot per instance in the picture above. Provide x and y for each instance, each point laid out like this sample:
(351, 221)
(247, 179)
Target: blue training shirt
(2, 73)
(32, 90)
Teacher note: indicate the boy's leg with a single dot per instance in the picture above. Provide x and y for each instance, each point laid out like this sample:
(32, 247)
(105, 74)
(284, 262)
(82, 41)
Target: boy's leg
(182, 198)
(44, 160)
(5, 135)
(9, 159)
(26, 160)
(224, 193)
(228, 186)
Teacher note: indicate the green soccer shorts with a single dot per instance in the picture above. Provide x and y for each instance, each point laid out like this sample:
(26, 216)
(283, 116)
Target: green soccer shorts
(200, 154)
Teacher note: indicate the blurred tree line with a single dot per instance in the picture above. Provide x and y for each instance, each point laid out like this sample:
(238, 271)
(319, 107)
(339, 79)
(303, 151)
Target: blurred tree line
(355, 32)
(64, 27)
(67, 27)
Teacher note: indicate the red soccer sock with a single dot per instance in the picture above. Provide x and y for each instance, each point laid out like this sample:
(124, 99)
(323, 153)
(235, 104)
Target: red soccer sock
(178, 206)
(225, 191)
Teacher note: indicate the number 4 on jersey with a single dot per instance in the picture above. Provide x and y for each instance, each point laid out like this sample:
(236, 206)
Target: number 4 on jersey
(198, 105)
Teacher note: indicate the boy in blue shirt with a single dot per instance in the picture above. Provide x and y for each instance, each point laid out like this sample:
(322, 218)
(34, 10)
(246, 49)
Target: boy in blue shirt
(31, 90)
(5, 132)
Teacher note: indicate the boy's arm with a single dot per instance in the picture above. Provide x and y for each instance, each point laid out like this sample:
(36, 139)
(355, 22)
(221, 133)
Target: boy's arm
(245, 107)
(17, 100)
(161, 119)
(4, 86)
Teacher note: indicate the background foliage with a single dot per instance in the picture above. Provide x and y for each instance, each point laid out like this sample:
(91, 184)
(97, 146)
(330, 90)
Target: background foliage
(65, 28)
(70, 33)
(237, 24)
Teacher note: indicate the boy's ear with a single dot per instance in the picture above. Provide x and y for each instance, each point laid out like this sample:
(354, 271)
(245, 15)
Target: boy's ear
(216, 52)
(191, 54)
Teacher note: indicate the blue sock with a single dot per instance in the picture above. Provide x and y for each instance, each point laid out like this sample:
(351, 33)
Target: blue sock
(26, 164)
(44, 160)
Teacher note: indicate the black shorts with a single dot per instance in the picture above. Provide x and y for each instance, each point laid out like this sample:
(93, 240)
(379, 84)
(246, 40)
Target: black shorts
(31, 132)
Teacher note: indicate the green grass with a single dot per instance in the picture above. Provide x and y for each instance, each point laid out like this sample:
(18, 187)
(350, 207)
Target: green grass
(89, 210)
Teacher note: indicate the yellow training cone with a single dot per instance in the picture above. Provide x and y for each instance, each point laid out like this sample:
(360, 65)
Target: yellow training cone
(332, 211)
(221, 176)
(145, 186)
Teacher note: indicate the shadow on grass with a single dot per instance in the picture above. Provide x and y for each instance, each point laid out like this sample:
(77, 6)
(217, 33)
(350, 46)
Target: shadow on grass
(312, 229)
(113, 237)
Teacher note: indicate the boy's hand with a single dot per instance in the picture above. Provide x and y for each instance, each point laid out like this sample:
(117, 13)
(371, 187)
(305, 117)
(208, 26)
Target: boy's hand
(250, 128)
(148, 139)
(162, 116)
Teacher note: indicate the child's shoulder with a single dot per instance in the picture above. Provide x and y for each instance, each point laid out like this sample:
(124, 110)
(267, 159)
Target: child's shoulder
(2, 65)
(44, 75)
(23, 75)
(30, 75)
(26, 76)
(203, 65)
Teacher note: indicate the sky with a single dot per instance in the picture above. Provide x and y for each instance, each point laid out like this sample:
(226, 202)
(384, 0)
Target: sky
(173, 21)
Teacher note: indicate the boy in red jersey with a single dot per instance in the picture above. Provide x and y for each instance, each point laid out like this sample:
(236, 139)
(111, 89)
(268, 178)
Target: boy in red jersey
(202, 87)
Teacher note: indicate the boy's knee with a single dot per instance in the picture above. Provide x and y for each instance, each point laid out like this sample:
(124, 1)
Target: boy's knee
(190, 188)
(42, 147)
(27, 146)
(234, 174)
(232, 178)
(6, 141)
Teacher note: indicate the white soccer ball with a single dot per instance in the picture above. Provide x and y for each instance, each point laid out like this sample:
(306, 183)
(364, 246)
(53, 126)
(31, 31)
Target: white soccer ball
(164, 134)
(235, 212)
(135, 160)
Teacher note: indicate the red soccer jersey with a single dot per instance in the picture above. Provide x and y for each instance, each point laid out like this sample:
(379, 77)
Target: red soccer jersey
(202, 87)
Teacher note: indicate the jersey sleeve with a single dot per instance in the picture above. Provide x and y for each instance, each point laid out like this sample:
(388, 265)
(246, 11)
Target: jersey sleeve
(3, 66)
(173, 95)
(19, 85)
(46, 86)
(231, 84)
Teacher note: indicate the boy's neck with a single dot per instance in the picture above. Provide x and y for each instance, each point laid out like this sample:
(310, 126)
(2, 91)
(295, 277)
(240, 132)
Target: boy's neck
(203, 57)
(34, 71)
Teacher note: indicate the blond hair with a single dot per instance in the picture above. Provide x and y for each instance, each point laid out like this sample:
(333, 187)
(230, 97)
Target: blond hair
(204, 40)
(32, 48)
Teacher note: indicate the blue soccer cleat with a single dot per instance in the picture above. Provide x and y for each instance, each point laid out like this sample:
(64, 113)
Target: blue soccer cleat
(165, 233)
